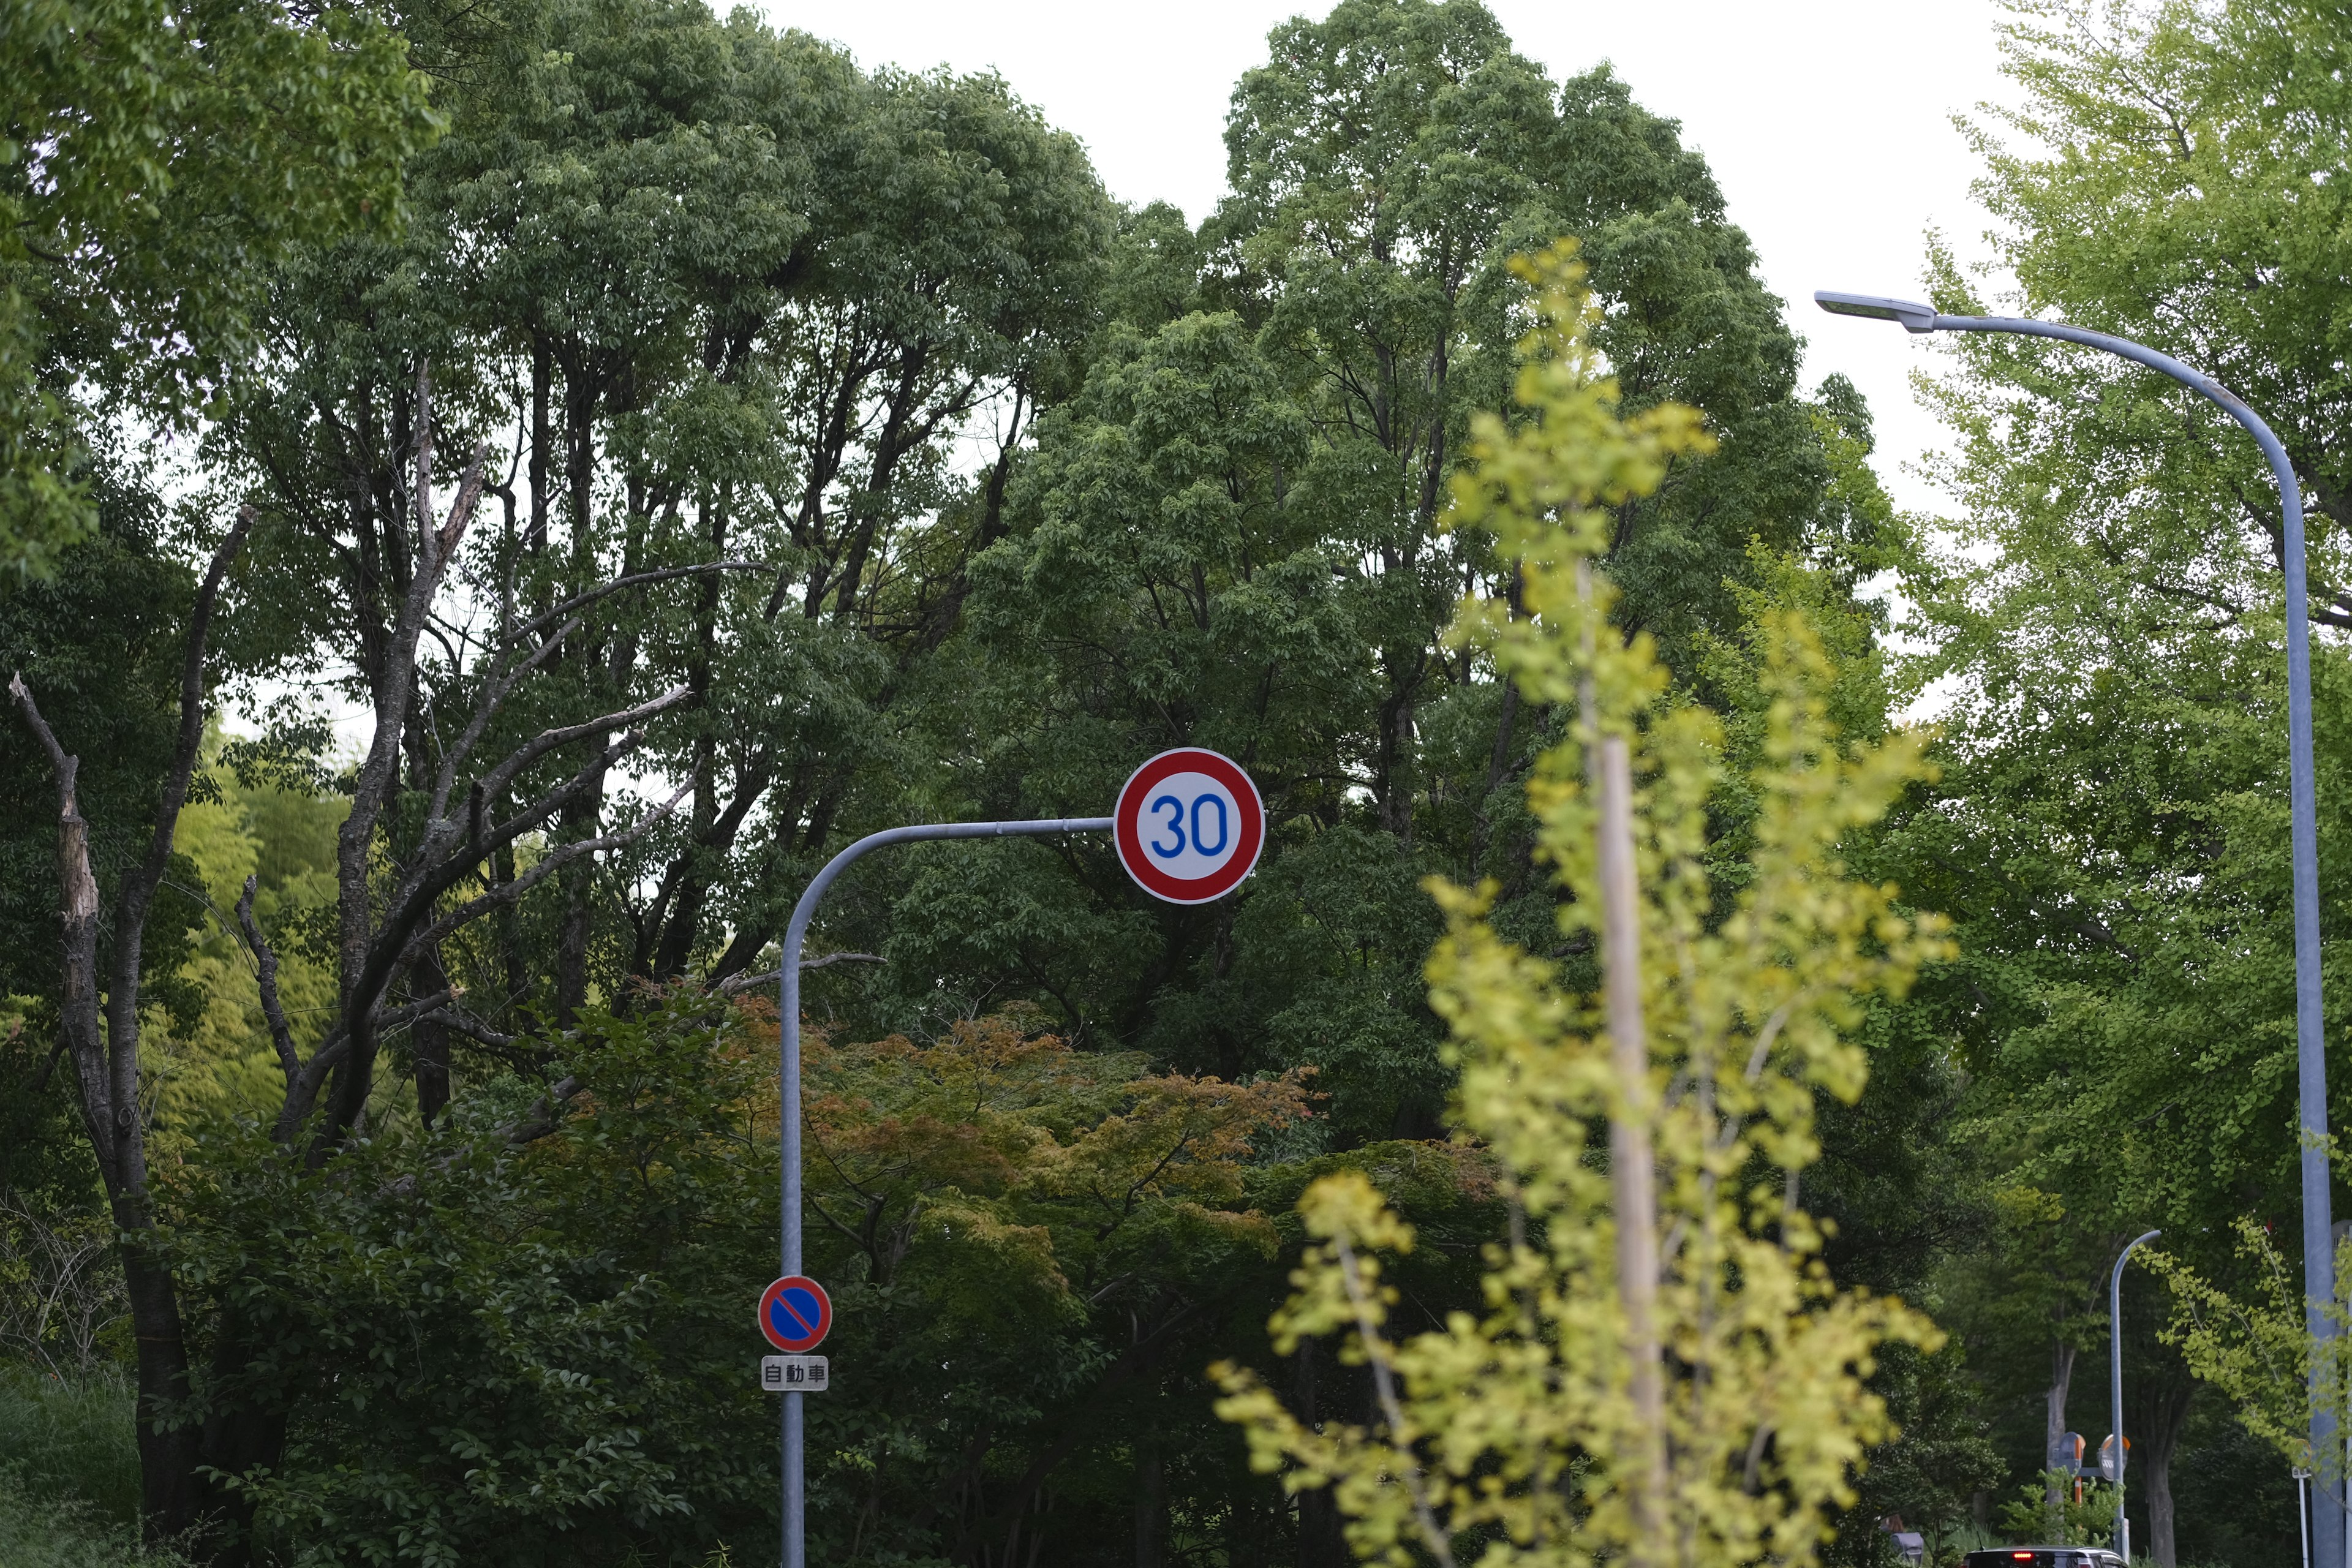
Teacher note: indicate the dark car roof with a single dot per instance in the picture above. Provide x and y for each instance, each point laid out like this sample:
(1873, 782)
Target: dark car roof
(2044, 1557)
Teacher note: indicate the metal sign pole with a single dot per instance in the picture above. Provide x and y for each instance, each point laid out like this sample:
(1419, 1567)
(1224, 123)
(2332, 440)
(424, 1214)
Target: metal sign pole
(2115, 1385)
(788, 1073)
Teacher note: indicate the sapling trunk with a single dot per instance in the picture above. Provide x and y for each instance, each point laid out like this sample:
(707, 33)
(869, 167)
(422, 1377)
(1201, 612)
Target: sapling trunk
(1631, 1162)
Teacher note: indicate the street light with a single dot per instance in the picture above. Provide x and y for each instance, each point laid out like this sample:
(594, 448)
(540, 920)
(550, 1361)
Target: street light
(2311, 1059)
(2115, 1385)
(792, 1491)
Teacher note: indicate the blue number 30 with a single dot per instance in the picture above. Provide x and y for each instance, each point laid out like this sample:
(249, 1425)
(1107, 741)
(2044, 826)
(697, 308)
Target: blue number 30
(1177, 817)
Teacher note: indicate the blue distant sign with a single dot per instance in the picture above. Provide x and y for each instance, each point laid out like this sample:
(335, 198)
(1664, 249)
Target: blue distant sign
(796, 1314)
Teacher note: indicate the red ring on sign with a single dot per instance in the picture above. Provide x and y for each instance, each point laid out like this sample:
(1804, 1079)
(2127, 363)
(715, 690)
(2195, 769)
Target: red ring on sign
(796, 1314)
(1129, 813)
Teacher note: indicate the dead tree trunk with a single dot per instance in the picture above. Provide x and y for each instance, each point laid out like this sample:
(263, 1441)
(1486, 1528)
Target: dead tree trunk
(105, 1053)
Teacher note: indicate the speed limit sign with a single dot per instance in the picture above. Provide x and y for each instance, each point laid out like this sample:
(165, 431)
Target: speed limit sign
(1190, 825)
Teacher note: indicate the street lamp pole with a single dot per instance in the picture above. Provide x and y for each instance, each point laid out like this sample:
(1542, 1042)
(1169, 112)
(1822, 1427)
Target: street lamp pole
(2311, 1057)
(788, 1079)
(2115, 1385)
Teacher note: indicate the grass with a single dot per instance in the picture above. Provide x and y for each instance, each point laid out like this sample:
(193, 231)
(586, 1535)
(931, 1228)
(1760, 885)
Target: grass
(41, 1529)
(70, 1473)
(71, 1441)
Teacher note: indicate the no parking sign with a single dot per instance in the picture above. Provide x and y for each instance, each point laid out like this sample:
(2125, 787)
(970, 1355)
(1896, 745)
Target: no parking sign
(796, 1314)
(1190, 825)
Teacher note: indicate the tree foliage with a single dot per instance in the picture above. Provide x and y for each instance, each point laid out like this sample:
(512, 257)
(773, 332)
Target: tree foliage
(730, 450)
(157, 158)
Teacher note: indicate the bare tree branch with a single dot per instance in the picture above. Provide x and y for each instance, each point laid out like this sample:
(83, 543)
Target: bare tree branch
(445, 858)
(77, 1006)
(581, 601)
(266, 966)
(740, 983)
(508, 892)
(473, 1028)
(496, 781)
(493, 693)
(545, 1116)
(409, 1013)
(60, 764)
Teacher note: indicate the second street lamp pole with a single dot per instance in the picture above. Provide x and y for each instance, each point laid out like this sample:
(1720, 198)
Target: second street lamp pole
(792, 1439)
(2310, 1038)
(2115, 1385)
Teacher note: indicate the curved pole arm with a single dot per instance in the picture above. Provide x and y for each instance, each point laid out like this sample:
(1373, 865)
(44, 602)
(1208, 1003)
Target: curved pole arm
(2230, 402)
(796, 933)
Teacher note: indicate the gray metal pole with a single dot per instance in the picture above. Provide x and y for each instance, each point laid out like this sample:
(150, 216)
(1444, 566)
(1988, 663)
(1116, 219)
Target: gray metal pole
(2310, 1037)
(2115, 1385)
(2329, 1537)
(788, 1079)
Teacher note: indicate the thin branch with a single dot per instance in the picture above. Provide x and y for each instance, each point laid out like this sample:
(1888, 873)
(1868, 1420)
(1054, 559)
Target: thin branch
(745, 982)
(139, 888)
(509, 892)
(473, 1028)
(582, 600)
(439, 867)
(266, 965)
(493, 693)
(545, 1116)
(1384, 1385)
(408, 1013)
(495, 782)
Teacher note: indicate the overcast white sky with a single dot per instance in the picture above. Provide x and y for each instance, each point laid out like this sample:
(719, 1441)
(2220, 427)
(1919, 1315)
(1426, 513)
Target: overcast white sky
(1828, 123)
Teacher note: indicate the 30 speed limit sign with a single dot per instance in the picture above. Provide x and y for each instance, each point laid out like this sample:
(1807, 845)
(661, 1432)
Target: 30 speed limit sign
(1190, 825)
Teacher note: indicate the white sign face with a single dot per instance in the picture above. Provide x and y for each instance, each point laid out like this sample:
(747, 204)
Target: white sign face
(1189, 826)
(795, 1373)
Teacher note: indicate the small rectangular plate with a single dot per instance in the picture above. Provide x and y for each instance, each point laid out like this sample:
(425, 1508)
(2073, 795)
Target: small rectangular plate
(795, 1373)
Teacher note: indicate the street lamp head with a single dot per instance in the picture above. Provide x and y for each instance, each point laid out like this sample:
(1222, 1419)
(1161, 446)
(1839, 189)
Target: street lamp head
(1915, 317)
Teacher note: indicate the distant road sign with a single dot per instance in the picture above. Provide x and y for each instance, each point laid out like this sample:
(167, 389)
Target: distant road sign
(795, 1373)
(1189, 826)
(796, 1314)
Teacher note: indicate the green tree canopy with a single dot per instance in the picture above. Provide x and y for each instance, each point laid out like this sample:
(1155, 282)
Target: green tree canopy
(156, 158)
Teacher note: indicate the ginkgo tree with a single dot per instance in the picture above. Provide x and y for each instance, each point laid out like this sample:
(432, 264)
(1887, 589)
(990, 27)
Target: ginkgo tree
(1665, 1372)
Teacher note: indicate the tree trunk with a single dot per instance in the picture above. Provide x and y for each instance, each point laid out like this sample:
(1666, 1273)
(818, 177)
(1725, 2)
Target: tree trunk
(2061, 1372)
(1151, 1504)
(167, 1453)
(1321, 1543)
(577, 882)
(106, 1067)
(1632, 1164)
(1393, 759)
(236, 1440)
(2162, 1416)
(429, 1037)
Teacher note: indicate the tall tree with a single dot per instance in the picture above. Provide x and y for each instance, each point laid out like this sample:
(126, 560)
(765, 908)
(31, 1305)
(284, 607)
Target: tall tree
(155, 158)
(1231, 537)
(2112, 826)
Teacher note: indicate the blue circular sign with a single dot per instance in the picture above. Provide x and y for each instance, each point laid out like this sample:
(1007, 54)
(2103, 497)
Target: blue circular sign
(796, 1314)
